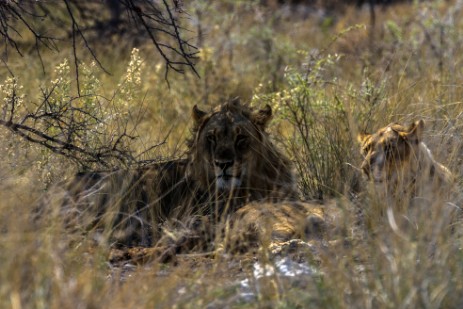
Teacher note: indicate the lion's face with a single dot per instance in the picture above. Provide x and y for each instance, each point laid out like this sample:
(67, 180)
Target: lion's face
(227, 143)
(387, 153)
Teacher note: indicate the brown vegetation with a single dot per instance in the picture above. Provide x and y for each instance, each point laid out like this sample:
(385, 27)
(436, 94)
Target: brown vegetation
(326, 77)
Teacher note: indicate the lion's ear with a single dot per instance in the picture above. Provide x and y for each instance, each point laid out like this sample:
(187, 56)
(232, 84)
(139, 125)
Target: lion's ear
(361, 137)
(262, 117)
(198, 115)
(415, 131)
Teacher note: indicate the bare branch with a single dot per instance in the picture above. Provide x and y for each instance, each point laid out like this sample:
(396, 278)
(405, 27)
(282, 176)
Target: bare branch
(156, 21)
(59, 122)
(65, 129)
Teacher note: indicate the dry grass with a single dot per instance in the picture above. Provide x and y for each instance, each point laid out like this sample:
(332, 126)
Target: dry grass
(324, 91)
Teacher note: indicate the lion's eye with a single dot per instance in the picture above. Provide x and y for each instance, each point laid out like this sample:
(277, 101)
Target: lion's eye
(241, 139)
(210, 138)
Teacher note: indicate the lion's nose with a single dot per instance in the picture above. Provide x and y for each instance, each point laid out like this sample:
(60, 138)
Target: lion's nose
(223, 165)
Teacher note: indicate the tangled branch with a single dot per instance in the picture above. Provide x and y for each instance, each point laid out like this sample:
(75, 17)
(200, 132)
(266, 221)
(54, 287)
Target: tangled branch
(74, 22)
(79, 134)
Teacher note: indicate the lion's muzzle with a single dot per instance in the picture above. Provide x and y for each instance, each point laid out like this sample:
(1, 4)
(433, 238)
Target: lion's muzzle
(225, 173)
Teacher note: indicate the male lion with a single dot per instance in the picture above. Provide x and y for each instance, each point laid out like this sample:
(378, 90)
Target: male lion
(401, 166)
(231, 156)
(230, 162)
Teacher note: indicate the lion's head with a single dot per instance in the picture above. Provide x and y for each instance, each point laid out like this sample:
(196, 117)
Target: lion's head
(230, 152)
(390, 150)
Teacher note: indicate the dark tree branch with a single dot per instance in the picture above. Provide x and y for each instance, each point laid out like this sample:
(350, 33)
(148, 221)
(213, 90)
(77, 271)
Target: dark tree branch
(179, 40)
(75, 29)
(64, 129)
(60, 124)
(153, 20)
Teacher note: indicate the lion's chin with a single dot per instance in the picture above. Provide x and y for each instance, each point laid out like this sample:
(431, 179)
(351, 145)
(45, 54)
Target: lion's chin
(227, 183)
(378, 180)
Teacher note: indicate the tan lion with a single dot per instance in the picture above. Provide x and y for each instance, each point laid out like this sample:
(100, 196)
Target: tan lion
(266, 223)
(401, 166)
(230, 162)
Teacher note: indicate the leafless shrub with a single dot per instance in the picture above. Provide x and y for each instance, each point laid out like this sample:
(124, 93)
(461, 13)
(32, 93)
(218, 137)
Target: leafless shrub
(73, 22)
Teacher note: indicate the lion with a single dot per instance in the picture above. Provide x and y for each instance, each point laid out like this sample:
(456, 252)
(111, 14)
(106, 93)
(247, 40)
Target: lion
(230, 162)
(121, 205)
(401, 166)
(279, 227)
(258, 224)
(231, 155)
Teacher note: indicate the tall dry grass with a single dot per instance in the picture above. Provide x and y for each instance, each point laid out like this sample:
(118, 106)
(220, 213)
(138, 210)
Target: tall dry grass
(327, 77)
